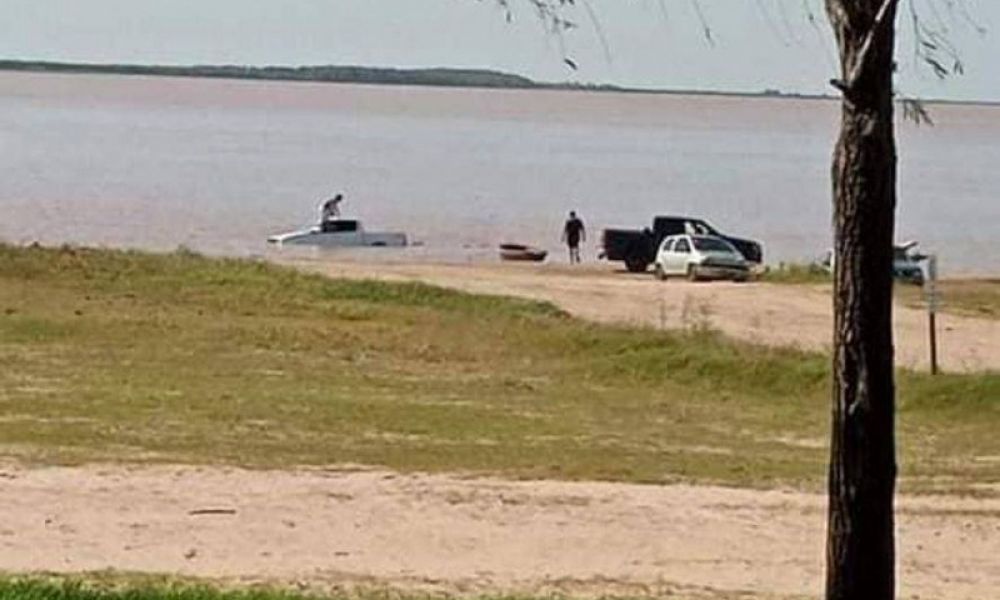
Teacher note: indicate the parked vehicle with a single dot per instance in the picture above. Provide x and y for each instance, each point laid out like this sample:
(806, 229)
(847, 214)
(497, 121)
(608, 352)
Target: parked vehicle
(700, 257)
(521, 252)
(638, 248)
(907, 264)
(340, 233)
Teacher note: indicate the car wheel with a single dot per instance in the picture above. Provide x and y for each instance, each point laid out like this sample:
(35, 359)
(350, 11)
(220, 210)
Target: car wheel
(660, 273)
(692, 273)
(636, 264)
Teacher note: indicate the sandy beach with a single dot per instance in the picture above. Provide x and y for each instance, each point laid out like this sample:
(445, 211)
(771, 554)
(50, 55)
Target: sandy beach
(321, 529)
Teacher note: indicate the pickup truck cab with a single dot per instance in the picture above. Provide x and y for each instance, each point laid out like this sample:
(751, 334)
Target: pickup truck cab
(638, 248)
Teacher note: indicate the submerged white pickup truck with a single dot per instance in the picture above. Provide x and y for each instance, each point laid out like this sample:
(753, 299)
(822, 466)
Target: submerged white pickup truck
(340, 233)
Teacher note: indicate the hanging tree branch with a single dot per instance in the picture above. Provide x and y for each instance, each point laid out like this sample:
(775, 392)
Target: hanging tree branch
(933, 47)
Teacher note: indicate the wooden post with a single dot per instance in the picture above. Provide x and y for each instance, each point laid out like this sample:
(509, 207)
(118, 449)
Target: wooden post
(932, 308)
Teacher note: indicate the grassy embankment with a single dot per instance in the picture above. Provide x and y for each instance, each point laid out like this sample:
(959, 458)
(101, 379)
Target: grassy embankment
(109, 355)
(965, 297)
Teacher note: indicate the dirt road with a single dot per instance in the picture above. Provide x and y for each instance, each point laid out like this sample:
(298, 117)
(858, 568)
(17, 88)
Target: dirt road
(772, 314)
(326, 528)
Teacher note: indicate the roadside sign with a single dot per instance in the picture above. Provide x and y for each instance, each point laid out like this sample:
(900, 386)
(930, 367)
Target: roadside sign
(931, 291)
(933, 304)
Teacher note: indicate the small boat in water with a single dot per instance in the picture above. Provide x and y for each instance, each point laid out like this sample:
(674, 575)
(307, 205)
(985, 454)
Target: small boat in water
(520, 252)
(340, 233)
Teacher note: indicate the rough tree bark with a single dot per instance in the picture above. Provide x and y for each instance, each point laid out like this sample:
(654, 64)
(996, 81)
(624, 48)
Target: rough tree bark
(860, 543)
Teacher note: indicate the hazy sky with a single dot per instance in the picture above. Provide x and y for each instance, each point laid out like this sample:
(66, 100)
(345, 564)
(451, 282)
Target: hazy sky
(758, 44)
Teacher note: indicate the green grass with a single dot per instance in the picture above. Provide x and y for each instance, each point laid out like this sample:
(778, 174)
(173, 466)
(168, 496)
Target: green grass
(113, 585)
(153, 589)
(797, 274)
(967, 297)
(110, 586)
(124, 356)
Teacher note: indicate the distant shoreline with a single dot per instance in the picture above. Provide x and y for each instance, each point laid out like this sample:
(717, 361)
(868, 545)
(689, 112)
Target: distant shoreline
(431, 77)
(425, 77)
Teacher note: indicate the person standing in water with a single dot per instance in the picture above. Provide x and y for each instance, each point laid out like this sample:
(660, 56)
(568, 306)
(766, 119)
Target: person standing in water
(574, 232)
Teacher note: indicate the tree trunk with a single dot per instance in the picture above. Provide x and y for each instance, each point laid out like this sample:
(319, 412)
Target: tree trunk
(860, 543)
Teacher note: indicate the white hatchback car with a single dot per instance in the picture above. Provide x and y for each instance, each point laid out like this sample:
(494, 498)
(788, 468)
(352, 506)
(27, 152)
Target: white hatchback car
(700, 257)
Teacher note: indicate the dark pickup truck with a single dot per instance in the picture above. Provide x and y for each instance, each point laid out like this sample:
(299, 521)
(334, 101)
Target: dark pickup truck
(638, 247)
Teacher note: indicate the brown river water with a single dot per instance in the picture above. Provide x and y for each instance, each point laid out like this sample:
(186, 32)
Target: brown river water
(218, 165)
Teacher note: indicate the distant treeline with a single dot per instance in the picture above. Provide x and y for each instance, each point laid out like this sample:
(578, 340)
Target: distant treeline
(443, 77)
(337, 74)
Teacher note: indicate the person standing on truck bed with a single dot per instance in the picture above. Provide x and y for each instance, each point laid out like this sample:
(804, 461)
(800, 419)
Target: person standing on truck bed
(573, 233)
(329, 210)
